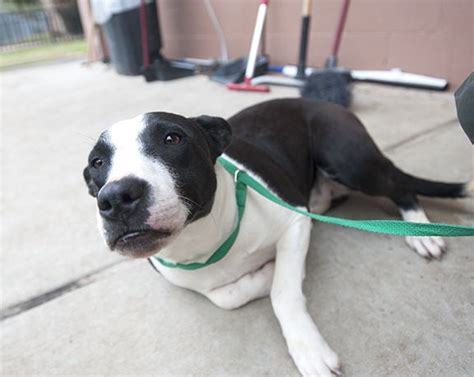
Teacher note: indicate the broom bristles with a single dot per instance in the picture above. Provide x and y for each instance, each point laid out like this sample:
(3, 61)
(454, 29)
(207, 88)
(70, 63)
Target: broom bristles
(328, 86)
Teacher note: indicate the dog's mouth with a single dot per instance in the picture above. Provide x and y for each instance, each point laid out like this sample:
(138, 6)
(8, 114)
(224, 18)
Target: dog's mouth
(141, 243)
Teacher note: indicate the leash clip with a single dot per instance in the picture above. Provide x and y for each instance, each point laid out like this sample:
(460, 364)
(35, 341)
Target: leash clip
(236, 175)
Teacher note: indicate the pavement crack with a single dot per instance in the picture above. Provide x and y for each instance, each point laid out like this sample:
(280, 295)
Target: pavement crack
(421, 134)
(23, 306)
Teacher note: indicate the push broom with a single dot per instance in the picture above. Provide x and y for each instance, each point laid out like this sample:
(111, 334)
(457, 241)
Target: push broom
(249, 71)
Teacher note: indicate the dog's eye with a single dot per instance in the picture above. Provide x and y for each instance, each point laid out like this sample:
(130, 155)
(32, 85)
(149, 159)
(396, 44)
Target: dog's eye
(172, 139)
(96, 163)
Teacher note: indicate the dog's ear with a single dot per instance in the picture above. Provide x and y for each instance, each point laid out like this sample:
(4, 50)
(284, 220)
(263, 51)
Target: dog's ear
(93, 189)
(217, 131)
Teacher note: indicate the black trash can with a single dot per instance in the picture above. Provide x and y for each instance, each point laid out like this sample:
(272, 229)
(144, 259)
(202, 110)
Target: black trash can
(123, 37)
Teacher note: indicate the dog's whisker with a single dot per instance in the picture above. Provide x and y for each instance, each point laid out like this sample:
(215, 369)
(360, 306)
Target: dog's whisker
(189, 201)
(85, 137)
(197, 204)
(213, 220)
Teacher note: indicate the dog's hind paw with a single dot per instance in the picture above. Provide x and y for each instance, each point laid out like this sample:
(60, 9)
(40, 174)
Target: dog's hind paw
(314, 359)
(427, 247)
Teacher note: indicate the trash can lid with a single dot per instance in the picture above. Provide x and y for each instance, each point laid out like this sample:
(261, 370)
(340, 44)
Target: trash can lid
(104, 9)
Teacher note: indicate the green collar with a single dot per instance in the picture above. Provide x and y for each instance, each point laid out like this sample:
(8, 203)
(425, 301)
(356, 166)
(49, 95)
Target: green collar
(394, 227)
(221, 252)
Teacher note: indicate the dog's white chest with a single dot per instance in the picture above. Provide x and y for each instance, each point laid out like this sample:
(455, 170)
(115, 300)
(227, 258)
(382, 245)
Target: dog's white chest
(261, 227)
(226, 271)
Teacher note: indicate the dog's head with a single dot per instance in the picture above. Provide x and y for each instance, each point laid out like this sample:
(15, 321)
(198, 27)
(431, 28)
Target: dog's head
(152, 175)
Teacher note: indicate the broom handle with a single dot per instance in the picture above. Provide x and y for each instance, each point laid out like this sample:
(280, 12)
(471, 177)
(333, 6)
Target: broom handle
(306, 7)
(340, 28)
(144, 34)
(257, 34)
(306, 18)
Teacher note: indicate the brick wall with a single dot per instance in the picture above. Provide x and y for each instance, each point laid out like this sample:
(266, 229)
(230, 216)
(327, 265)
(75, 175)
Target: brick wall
(433, 37)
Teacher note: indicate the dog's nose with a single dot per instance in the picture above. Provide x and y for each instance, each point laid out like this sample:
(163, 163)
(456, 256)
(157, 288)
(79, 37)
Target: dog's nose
(120, 198)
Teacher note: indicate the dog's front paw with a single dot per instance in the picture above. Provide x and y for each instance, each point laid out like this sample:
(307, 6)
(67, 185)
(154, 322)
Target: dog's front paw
(427, 247)
(313, 357)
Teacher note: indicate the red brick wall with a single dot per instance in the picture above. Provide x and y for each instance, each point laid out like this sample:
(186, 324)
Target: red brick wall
(433, 37)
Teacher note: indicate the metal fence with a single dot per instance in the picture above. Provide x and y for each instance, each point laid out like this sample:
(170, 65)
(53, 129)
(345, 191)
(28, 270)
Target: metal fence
(34, 27)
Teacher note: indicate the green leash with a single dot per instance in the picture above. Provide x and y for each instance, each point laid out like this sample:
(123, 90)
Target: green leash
(393, 227)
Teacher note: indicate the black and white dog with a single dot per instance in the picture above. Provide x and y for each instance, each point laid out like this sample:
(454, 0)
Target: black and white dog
(160, 190)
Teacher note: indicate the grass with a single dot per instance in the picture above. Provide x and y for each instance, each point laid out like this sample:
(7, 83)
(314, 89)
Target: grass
(43, 53)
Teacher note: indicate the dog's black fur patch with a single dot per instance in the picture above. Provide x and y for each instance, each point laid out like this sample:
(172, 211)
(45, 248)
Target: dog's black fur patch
(285, 141)
(191, 161)
(96, 177)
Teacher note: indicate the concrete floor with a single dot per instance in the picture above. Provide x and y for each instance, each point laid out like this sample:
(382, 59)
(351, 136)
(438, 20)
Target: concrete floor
(69, 307)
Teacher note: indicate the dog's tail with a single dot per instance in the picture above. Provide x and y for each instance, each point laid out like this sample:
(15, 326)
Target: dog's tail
(437, 189)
